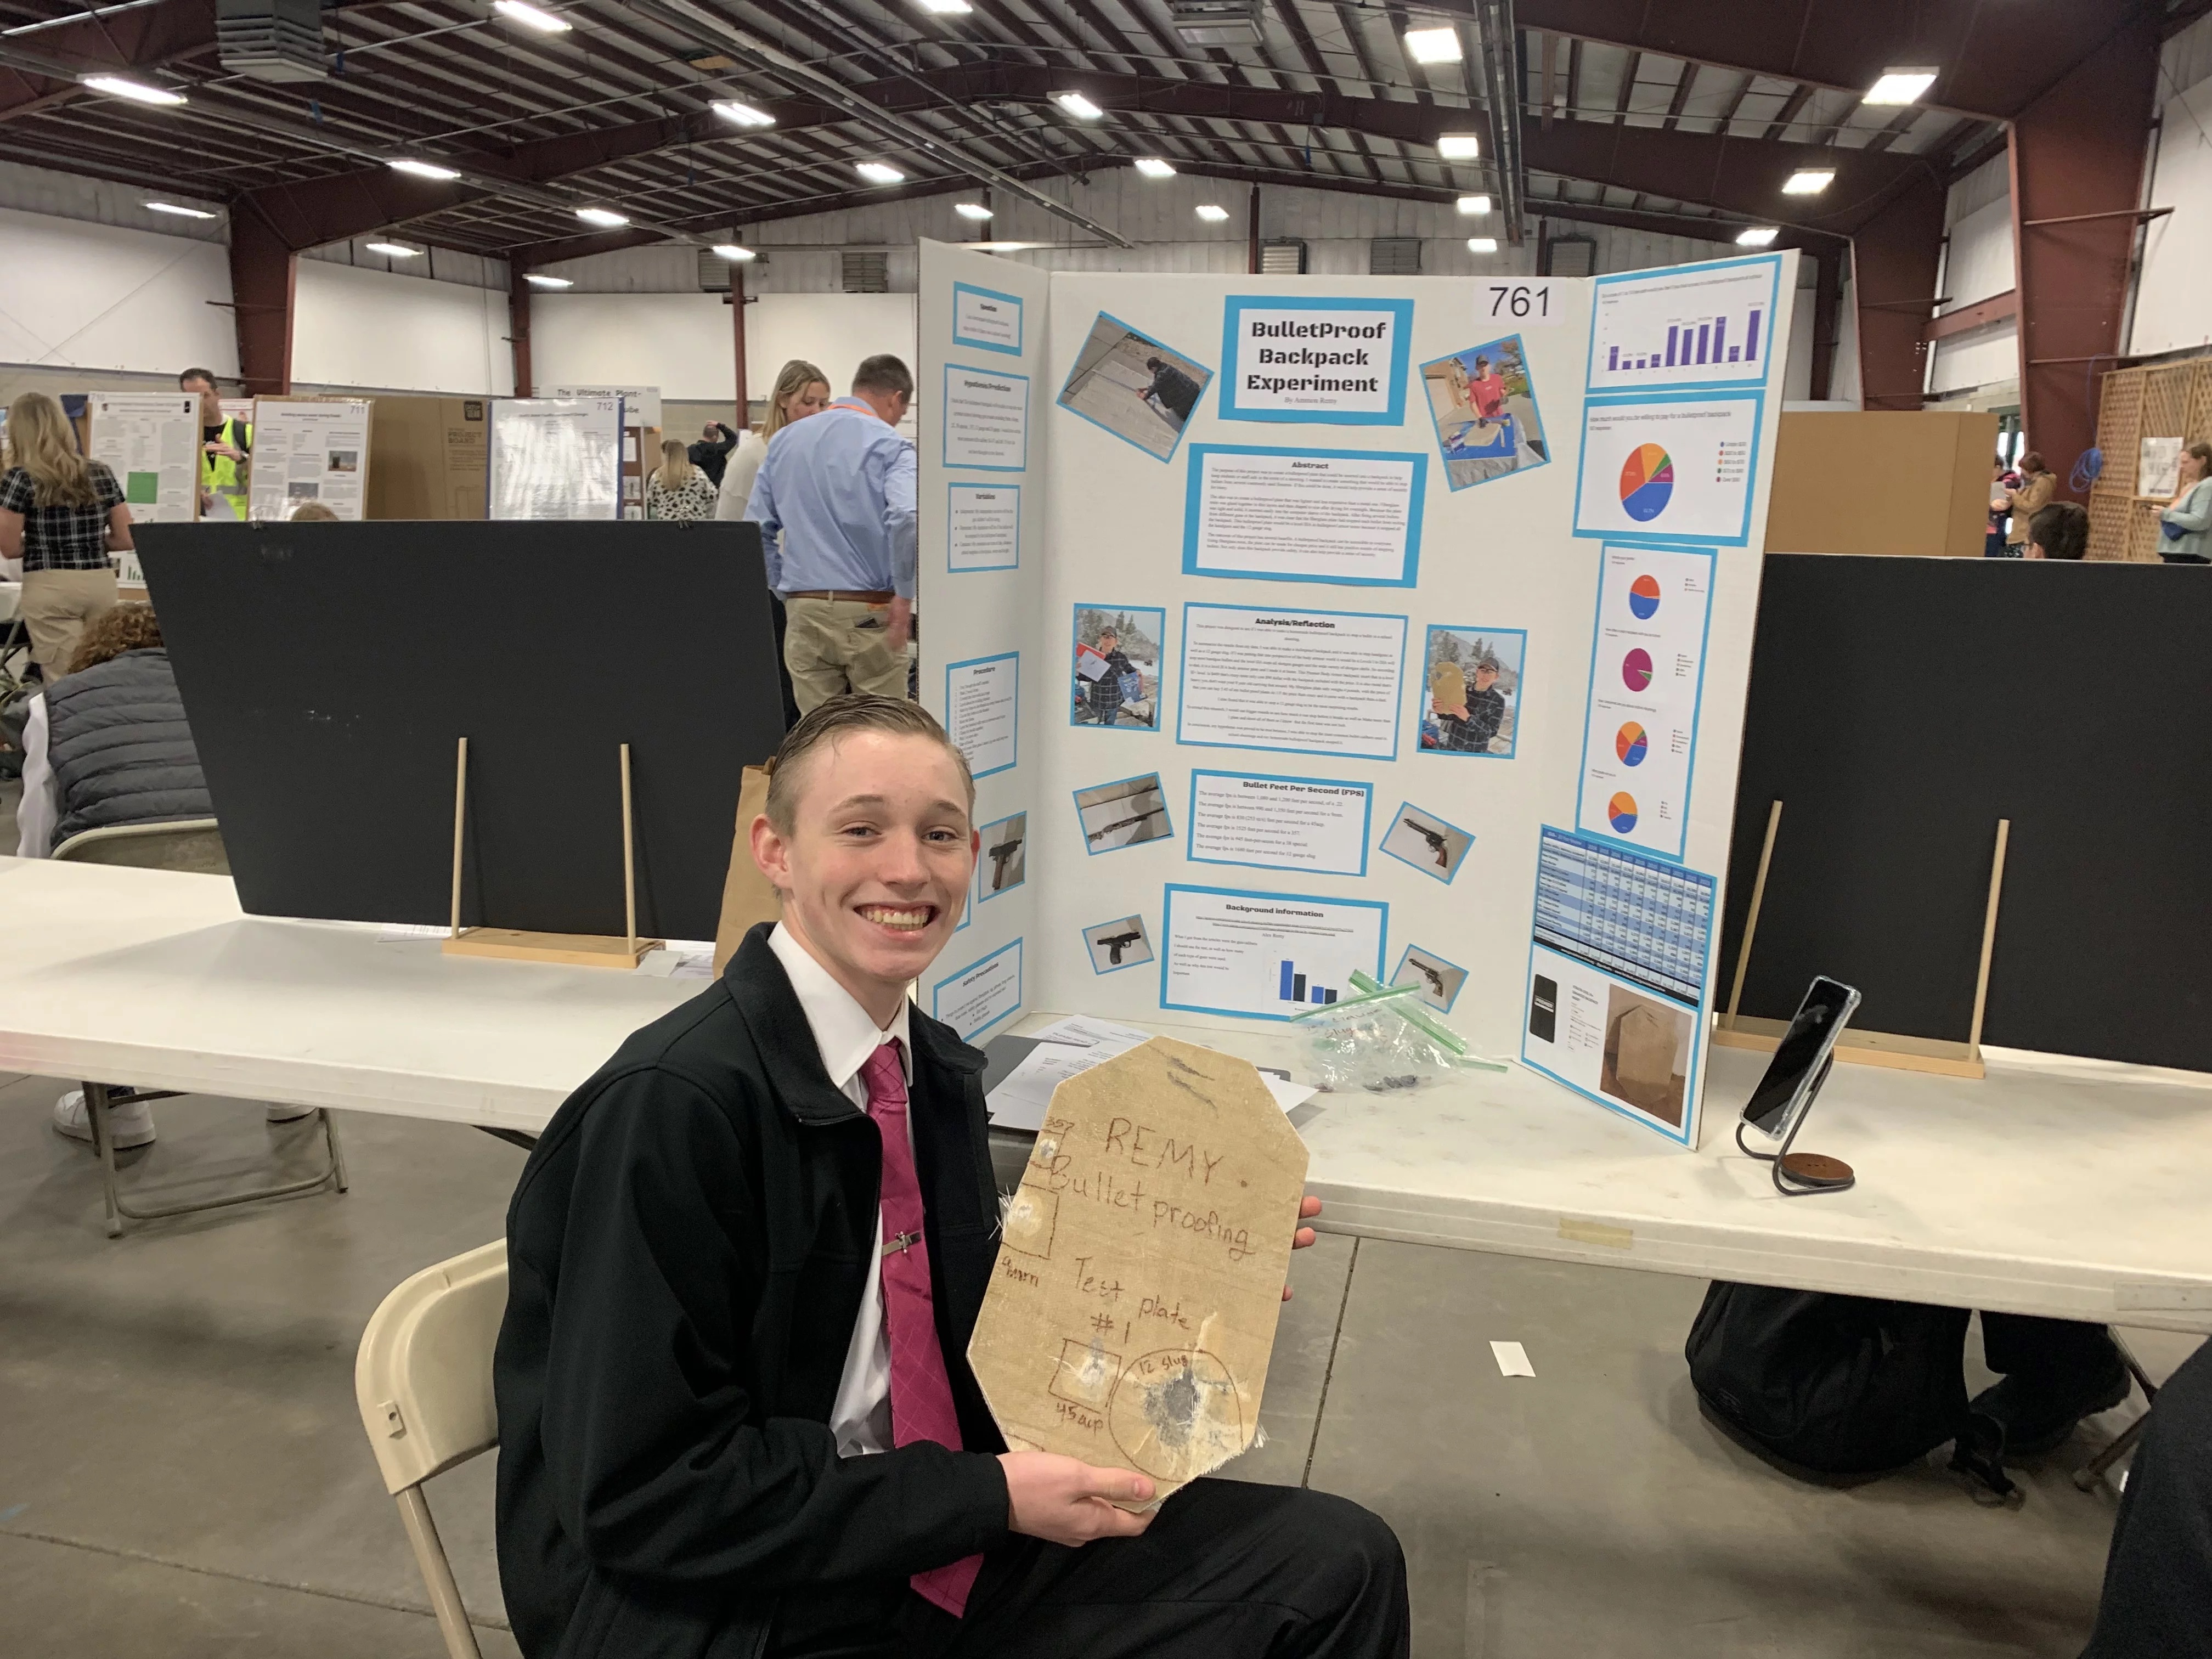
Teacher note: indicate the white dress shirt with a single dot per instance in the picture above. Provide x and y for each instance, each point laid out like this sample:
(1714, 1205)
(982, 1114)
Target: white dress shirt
(861, 1418)
(40, 810)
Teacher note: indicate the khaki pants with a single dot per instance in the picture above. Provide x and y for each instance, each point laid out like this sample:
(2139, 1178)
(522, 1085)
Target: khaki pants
(57, 607)
(828, 651)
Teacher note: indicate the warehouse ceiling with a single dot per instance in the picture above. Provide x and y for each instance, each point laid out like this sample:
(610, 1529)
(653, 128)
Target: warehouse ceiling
(1663, 115)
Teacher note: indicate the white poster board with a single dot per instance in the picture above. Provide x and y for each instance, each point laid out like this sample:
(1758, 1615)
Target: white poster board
(640, 404)
(557, 457)
(150, 442)
(309, 449)
(2158, 473)
(1447, 715)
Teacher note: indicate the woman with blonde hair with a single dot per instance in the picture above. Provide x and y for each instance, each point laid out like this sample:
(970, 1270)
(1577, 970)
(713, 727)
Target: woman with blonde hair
(62, 515)
(676, 489)
(801, 390)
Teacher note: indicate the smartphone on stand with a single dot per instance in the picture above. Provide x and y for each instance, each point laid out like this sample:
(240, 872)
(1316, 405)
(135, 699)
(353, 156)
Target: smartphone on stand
(1801, 1060)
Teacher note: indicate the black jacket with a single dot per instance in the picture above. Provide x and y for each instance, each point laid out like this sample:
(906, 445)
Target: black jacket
(713, 457)
(1486, 713)
(686, 1251)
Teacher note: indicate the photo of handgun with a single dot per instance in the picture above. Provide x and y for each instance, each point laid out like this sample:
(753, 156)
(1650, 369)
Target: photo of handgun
(1123, 824)
(1115, 942)
(1435, 979)
(1435, 839)
(1000, 856)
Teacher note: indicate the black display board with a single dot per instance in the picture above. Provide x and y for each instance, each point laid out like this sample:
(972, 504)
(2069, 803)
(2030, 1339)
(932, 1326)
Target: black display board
(1899, 707)
(327, 670)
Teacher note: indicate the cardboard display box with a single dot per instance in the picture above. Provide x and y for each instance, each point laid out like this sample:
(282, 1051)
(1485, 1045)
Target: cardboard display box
(1875, 481)
(433, 457)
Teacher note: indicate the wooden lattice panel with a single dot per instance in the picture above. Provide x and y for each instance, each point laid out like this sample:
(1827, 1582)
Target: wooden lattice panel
(2119, 415)
(2108, 522)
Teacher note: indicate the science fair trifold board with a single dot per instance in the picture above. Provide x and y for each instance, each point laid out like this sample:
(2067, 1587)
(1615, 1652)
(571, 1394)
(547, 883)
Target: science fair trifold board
(1296, 626)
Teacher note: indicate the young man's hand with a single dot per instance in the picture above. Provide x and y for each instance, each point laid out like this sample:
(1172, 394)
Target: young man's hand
(1308, 1207)
(1064, 1500)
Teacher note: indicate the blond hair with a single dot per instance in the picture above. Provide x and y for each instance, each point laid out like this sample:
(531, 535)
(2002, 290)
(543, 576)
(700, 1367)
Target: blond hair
(314, 512)
(675, 463)
(840, 716)
(794, 376)
(41, 441)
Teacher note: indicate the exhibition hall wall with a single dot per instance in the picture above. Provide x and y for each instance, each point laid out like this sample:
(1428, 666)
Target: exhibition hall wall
(1400, 625)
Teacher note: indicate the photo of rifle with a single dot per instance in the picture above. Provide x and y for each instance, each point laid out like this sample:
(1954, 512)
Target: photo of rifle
(1123, 824)
(1115, 942)
(1001, 855)
(1435, 838)
(1435, 979)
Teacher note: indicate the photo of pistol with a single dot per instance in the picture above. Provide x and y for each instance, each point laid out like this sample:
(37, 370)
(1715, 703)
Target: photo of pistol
(1116, 942)
(1000, 856)
(1435, 838)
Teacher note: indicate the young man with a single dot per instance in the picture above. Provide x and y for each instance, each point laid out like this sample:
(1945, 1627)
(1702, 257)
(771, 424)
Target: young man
(1102, 697)
(736, 1416)
(1172, 392)
(226, 446)
(1487, 391)
(1485, 707)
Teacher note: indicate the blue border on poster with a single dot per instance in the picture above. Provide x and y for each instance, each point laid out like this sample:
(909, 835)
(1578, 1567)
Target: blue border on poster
(1397, 699)
(1367, 819)
(1697, 710)
(1159, 610)
(1194, 492)
(1450, 876)
(982, 852)
(1167, 937)
(1535, 403)
(1021, 319)
(1421, 692)
(1159, 783)
(944, 443)
(1137, 916)
(1059, 402)
(951, 484)
(1670, 538)
(937, 991)
(972, 662)
(1442, 960)
(1233, 308)
(1773, 261)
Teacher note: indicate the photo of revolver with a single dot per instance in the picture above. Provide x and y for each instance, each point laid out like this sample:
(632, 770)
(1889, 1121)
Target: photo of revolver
(1435, 979)
(1001, 856)
(1117, 942)
(1435, 839)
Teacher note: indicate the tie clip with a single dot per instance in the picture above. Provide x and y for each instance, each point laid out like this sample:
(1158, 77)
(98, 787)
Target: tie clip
(898, 1241)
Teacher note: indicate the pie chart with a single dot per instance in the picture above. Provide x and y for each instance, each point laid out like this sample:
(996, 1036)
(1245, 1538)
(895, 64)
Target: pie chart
(1621, 809)
(1630, 744)
(1636, 669)
(1643, 591)
(1647, 479)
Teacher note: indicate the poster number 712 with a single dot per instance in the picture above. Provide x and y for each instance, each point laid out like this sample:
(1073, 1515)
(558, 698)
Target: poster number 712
(1521, 305)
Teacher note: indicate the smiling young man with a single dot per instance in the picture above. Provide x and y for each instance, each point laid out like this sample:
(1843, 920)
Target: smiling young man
(736, 1416)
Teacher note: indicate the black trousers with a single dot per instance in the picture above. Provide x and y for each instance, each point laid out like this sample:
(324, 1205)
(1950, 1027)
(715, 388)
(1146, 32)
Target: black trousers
(2056, 1350)
(2157, 1579)
(1226, 1571)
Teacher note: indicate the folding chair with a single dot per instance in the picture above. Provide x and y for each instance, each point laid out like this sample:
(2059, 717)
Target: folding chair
(2086, 1477)
(423, 1378)
(195, 845)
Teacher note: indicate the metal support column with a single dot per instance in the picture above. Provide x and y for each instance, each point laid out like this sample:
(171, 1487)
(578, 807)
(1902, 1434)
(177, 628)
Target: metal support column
(1827, 301)
(518, 327)
(738, 342)
(264, 275)
(1894, 256)
(1252, 235)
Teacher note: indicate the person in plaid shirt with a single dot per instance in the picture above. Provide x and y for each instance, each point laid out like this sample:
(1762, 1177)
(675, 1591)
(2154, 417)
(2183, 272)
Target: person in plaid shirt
(62, 515)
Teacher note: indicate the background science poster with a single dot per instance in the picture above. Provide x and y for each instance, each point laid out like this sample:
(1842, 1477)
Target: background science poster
(1647, 676)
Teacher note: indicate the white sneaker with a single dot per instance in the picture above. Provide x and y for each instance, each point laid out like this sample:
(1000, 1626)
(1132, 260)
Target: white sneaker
(290, 1114)
(127, 1126)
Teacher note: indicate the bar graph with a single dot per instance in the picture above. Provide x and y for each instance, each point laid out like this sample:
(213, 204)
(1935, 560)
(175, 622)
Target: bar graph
(1295, 988)
(1692, 344)
(1693, 326)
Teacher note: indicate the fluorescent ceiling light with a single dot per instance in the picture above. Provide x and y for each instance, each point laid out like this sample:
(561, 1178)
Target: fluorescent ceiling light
(606, 218)
(1474, 205)
(1482, 245)
(876, 173)
(1153, 167)
(393, 250)
(732, 252)
(1900, 86)
(1807, 181)
(1213, 214)
(1077, 105)
(1757, 236)
(1459, 146)
(137, 91)
(1433, 46)
(421, 169)
(536, 281)
(947, 8)
(529, 16)
(1004, 247)
(181, 212)
(744, 115)
(971, 210)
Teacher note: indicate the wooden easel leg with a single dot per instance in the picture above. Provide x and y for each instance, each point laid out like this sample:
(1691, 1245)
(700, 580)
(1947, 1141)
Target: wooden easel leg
(1751, 919)
(1989, 937)
(629, 866)
(460, 818)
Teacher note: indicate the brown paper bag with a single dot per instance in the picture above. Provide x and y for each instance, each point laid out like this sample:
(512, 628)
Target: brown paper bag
(746, 896)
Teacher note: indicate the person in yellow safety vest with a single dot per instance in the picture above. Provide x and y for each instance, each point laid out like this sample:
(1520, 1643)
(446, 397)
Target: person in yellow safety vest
(225, 447)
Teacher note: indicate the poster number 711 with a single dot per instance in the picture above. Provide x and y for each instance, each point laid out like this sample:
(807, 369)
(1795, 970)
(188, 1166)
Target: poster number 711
(1520, 305)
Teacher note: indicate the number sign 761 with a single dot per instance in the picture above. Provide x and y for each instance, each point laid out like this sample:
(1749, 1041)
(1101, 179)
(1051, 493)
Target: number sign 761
(1531, 305)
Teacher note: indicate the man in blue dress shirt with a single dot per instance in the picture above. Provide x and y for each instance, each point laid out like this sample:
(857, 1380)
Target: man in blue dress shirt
(834, 503)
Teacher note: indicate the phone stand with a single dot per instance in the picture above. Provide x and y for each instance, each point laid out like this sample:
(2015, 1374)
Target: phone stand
(1799, 1174)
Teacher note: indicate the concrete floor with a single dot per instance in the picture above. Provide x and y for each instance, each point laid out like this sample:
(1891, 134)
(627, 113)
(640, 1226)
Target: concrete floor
(183, 1473)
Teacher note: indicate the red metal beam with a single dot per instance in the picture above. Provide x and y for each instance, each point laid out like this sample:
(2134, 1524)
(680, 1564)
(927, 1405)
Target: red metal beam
(2078, 155)
(142, 39)
(1827, 300)
(1995, 309)
(1893, 262)
(518, 328)
(264, 275)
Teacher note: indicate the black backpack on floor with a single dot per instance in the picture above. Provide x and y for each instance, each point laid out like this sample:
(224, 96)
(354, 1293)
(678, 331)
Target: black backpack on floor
(1840, 1385)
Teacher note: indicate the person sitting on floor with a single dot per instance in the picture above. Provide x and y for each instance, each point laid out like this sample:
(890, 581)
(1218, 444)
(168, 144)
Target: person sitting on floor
(108, 745)
(732, 1421)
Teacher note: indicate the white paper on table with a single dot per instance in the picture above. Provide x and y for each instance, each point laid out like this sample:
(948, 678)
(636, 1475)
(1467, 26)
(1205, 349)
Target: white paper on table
(1512, 1359)
(680, 958)
(1084, 1032)
(1025, 1094)
(400, 933)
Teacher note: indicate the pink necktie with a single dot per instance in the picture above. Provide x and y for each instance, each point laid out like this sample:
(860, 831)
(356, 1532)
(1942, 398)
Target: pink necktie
(921, 1394)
